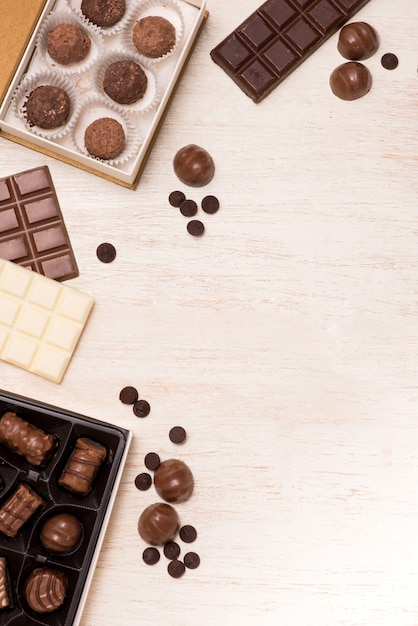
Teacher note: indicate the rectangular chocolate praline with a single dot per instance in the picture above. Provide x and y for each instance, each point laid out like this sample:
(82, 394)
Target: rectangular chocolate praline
(274, 40)
(32, 228)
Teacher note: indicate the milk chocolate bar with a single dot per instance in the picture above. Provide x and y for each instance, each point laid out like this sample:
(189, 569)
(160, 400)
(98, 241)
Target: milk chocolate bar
(32, 228)
(274, 40)
(18, 508)
(25, 439)
(82, 466)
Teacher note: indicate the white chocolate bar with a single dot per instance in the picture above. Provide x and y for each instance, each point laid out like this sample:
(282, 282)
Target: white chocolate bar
(41, 321)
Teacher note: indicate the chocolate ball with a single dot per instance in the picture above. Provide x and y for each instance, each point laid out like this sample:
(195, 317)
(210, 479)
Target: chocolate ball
(358, 41)
(103, 12)
(158, 523)
(104, 138)
(125, 81)
(350, 80)
(68, 43)
(48, 107)
(154, 36)
(194, 166)
(173, 481)
(61, 533)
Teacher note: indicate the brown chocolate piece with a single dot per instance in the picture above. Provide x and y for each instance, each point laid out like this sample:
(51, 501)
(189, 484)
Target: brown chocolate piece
(48, 107)
(389, 61)
(176, 198)
(125, 82)
(210, 204)
(104, 138)
(191, 560)
(188, 533)
(195, 228)
(61, 533)
(106, 252)
(174, 481)
(4, 587)
(82, 467)
(128, 395)
(171, 550)
(357, 41)
(152, 461)
(103, 12)
(154, 36)
(188, 208)
(350, 80)
(177, 434)
(17, 509)
(25, 439)
(45, 589)
(68, 43)
(194, 166)
(32, 228)
(176, 569)
(143, 481)
(158, 524)
(151, 556)
(141, 408)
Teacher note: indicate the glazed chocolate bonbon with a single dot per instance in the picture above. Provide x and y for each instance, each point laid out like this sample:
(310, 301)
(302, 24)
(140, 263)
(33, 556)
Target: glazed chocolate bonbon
(357, 41)
(25, 439)
(45, 589)
(61, 533)
(193, 165)
(274, 40)
(351, 80)
(174, 481)
(18, 508)
(82, 466)
(158, 524)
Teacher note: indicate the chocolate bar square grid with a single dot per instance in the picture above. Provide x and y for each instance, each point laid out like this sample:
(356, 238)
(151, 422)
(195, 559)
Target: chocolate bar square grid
(274, 40)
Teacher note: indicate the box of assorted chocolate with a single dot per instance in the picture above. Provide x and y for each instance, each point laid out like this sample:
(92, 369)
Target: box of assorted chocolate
(89, 81)
(59, 473)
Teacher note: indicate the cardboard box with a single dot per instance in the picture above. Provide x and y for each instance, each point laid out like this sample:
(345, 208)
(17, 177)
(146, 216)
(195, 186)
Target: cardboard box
(20, 58)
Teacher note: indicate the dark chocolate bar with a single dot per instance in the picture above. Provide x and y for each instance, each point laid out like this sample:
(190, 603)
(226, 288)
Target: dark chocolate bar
(32, 229)
(274, 40)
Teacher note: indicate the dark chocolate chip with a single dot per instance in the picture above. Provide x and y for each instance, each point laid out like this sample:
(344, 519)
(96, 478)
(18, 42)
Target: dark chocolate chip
(151, 556)
(141, 408)
(172, 550)
(176, 198)
(389, 61)
(152, 461)
(177, 434)
(191, 560)
(196, 228)
(106, 252)
(143, 481)
(188, 208)
(188, 533)
(210, 204)
(128, 395)
(176, 569)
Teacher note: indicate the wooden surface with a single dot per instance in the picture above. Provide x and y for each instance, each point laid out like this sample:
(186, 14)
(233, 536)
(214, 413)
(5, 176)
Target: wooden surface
(285, 341)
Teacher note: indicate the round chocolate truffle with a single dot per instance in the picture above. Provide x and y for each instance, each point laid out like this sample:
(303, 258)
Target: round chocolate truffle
(125, 82)
(104, 138)
(358, 41)
(45, 589)
(154, 36)
(68, 43)
(173, 481)
(48, 107)
(350, 80)
(61, 533)
(103, 12)
(158, 524)
(194, 166)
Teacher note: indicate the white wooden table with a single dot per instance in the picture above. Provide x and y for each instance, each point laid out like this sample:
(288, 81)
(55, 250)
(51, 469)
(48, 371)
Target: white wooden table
(285, 341)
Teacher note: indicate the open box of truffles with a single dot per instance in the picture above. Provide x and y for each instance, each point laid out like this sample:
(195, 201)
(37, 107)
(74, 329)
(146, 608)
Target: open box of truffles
(91, 87)
(59, 474)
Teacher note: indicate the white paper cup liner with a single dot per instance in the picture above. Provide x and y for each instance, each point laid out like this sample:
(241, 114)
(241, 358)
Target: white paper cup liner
(31, 82)
(75, 5)
(95, 108)
(152, 94)
(162, 8)
(67, 17)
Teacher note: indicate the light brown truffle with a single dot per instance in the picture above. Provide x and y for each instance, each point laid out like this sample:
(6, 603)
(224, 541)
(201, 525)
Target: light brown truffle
(154, 36)
(104, 138)
(68, 43)
(103, 12)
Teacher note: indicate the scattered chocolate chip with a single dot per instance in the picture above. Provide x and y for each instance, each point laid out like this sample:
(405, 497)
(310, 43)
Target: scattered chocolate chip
(128, 395)
(172, 550)
(106, 252)
(176, 198)
(210, 204)
(196, 228)
(151, 556)
(152, 461)
(141, 408)
(177, 434)
(191, 560)
(188, 208)
(143, 481)
(188, 533)
(176, 569)
(389, 61)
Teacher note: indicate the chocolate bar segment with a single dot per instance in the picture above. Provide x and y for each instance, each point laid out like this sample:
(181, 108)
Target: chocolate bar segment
(32, 228)
(17, 509)
(82, 466)
(25, 439)
(274, 40)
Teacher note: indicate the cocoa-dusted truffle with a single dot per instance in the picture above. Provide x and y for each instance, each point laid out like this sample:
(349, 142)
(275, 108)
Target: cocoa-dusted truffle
(104, 138)
(194, 166)
(358, 41)
(61, 533)
(48, 107)
(68, 43)
(125, 81)
(173, 481)
(350, 80)
(158, 523)
(45, 589)
(154, 36)
(103, 12)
